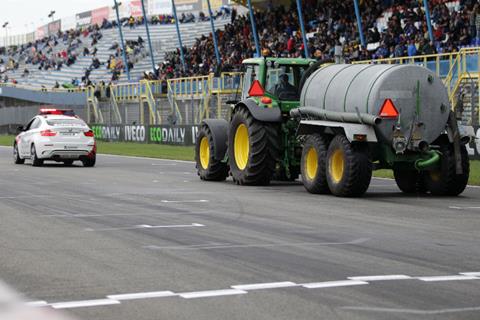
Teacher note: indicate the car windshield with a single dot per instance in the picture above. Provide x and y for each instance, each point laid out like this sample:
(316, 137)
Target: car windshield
(283, 81)
(66, 122)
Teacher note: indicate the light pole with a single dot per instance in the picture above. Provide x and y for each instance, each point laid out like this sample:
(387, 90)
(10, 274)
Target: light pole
(214, 34)
(119, 25)
(254, 29)
(52, 15)
(179, 36)
(6, 33)
(145, 20)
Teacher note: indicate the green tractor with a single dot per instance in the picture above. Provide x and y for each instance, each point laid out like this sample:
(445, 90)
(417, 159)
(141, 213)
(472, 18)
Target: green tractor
(334, 124)
(259, 143)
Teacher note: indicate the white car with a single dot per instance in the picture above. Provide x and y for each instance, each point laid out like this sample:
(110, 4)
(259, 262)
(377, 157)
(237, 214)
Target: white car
(56, 135)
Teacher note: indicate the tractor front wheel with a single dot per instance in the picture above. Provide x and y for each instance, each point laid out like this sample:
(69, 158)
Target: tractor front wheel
(208, 168)
(253, 148)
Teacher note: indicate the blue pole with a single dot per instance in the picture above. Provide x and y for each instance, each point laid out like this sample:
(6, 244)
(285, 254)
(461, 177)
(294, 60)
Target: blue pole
(359, 23)
(119, 24)
(254, 28)
(179, 36)
(429, 21)
(302, 27)
(214, 34)
(152, 58)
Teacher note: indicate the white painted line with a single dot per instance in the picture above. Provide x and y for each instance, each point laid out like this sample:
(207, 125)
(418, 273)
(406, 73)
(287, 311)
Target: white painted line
(381, 278)
(472, 274)
(260, 286)
(211, 293)
(254, 245)
(447, 278)
(143, 158)
(331, 284)
(463, 208)
(85, 303)
(183, 201)
(142, 295)
(147, 226)
(412, 311)
(36, 304)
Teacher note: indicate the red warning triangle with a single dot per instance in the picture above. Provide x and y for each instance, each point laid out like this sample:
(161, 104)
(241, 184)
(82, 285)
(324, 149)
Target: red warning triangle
(256, 90)
(388, 109)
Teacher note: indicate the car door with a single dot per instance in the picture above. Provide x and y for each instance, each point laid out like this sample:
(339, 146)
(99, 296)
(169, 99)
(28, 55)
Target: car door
(29, 133)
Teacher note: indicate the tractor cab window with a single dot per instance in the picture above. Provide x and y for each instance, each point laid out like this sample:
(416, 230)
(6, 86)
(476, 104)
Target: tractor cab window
(284, 81)
(251, 74)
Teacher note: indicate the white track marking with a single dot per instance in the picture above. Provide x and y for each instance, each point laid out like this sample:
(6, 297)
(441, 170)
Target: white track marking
(381, 278)
(36, 304)
(472, 274)
(255, 245)
(447, 278)
(260, 286)
(463, 208)
(142, 295)
(83, 304)
(332, 284)
(146, 226)
(184, 201)
(211, 293)
(412, 311)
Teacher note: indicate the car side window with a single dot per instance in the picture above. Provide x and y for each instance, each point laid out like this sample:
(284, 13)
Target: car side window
(35, 124)
(29, 125)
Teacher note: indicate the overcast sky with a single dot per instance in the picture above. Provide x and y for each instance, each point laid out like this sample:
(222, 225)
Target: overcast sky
(21, 13)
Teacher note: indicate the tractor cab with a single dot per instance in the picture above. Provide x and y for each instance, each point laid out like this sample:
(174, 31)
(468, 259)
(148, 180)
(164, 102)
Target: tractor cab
(274, 80)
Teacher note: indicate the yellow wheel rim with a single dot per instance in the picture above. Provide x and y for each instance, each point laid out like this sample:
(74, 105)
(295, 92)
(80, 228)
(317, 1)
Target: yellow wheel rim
(337, 164)
(241, 147)
(311, 163)
(204, 151)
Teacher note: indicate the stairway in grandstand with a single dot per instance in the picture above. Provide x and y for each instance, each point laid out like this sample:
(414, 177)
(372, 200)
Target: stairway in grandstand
(164, 39)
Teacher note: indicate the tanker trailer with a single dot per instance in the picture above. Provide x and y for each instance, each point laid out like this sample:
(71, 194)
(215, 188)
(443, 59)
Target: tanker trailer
(357, 118)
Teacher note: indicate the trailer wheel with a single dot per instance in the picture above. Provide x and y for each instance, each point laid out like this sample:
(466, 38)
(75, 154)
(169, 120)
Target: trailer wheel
(313, 164)
(253, 148)
(208, 167)
(444, 181)
(410, 180)
(349, 169)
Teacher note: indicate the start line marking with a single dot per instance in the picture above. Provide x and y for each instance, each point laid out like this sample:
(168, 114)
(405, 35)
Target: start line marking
(242, 289)
(147, 226)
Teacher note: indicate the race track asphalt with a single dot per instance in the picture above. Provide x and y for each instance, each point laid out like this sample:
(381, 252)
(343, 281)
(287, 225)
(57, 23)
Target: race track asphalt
(144, 239)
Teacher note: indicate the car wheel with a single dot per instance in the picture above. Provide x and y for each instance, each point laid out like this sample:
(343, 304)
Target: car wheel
(16, 156)
(89, 161)
(36, 162)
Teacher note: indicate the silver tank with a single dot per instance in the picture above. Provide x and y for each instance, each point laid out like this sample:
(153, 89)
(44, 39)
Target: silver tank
(359, 88)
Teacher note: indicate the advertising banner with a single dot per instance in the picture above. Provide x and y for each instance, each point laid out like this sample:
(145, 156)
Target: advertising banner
(156, 7)
(167, 134)
(135, 8)
(99, 14)
(188, 5)
(69, 23)
(41, 32)
(54, 27)
(84, 19)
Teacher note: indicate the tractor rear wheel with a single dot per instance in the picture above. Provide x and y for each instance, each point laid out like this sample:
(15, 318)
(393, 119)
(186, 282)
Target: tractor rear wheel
(444, 181)
(253, 148)
(349, 169)
(313, 164)
(410, 180)
(208, 167)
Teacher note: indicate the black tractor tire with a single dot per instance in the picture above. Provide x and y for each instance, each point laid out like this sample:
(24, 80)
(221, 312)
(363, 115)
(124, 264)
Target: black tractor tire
(68, 162)
(16, 155)
(349, 168)
(314, 163)
(208, 168)
(258, 146)
(36, 162)
(409, 180)
(444, 181)
(89, 161)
